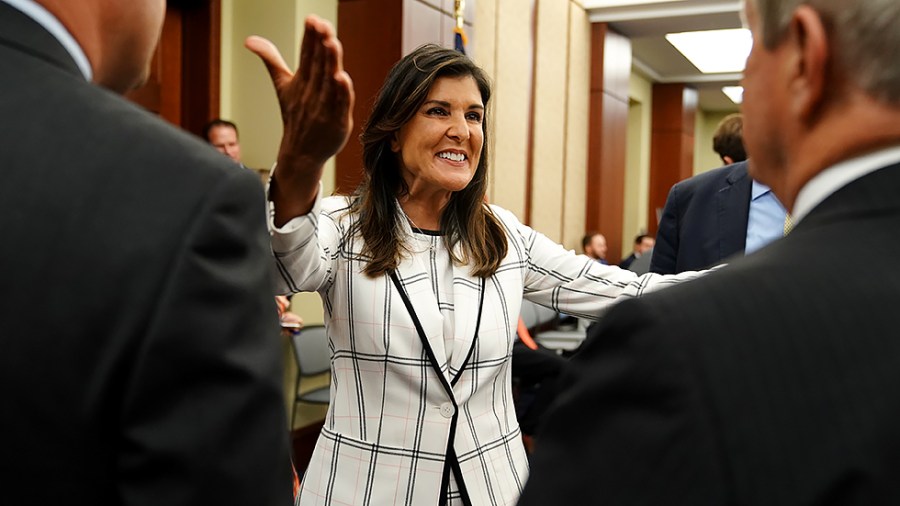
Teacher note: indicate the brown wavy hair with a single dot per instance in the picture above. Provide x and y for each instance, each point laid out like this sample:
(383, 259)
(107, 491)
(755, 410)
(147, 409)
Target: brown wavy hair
(466, 220)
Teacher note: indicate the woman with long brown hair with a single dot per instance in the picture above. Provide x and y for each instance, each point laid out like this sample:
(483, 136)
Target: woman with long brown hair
(422, 283)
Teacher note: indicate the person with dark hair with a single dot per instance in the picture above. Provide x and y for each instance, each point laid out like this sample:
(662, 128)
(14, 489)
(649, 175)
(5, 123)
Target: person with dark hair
(718, 214)
(772, 381)
(422, 284)
(223, 135)
(593, 244)
(643, 243)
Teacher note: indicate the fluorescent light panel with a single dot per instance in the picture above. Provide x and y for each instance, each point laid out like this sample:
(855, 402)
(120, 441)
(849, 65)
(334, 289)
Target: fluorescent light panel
(714, 51)
(735, 93)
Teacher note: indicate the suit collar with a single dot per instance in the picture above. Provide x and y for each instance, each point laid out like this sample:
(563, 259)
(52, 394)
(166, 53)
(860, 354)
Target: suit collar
(834, 178)
(738, 173)
(23, 33)
(872, 193)
(733, 210)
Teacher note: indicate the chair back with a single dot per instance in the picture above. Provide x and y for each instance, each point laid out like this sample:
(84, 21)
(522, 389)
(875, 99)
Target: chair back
(311, 350)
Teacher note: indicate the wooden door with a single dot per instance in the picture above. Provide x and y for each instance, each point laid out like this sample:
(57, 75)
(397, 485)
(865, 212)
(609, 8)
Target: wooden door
(183, 86)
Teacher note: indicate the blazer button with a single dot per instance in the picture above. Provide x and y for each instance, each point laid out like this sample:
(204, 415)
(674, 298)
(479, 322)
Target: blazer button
(447, 410)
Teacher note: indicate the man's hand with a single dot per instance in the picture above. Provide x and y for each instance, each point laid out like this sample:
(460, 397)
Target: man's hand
(316, 108)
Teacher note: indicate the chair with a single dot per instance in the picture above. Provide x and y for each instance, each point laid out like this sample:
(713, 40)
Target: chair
(542, 322)
(561, 340)
(313, 358)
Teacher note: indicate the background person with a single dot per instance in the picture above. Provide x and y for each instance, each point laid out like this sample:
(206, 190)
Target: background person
(594, 246)
(773, 380)
(223, 135)
(643, 243)
(718, 214)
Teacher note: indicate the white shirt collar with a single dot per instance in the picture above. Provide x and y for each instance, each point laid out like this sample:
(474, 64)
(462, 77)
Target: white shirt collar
(43, 17)
(832, 179)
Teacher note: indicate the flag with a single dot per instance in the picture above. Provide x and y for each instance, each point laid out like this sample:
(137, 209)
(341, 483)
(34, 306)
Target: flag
(459, 39)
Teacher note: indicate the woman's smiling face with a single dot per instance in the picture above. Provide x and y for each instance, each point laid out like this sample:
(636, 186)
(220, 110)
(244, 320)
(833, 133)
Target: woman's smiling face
(440, 147)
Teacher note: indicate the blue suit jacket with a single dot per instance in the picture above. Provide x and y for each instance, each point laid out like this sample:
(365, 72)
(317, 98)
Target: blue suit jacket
(704, 221)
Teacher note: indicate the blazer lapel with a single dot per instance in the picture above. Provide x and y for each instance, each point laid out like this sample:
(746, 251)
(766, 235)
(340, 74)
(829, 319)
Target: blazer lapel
(414, 279)
(468, 293)
(733, 212)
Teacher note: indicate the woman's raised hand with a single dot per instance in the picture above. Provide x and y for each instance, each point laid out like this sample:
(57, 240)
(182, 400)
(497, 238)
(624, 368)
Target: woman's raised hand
(316, 108)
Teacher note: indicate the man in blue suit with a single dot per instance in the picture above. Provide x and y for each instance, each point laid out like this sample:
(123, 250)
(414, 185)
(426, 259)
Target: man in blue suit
(717, 214)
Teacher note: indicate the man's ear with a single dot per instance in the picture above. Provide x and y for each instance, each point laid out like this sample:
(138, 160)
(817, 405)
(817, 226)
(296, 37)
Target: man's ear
(727, 160)
(809, 61)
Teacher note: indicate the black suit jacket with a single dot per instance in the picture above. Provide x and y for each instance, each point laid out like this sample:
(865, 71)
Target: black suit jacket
(140, 360)
(770, 382)
(704, 221)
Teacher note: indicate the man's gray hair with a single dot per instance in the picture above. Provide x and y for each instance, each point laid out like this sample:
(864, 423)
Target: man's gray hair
(863, 34)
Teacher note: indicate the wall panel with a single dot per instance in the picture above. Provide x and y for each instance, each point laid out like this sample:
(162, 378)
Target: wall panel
(549, 132)
(672, 149)
(577, 119)
(512, 102)
(610, 72)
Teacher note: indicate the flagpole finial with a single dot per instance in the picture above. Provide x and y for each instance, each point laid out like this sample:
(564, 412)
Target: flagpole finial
(459, 7)
(459, 39)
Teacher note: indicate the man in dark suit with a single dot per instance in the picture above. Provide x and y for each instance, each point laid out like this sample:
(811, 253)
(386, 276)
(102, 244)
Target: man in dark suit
(140, 360)
(704, 221)
(643, 243)
(717, 214)
(772, 381)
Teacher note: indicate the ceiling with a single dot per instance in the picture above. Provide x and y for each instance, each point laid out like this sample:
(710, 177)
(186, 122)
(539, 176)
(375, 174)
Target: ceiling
(646, 22)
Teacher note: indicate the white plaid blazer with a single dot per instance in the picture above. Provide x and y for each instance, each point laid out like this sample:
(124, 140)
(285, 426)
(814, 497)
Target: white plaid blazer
(403, 427)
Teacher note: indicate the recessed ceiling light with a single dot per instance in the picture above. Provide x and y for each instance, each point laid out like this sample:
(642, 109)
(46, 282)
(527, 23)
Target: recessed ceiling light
(735, 93)
(714, 51)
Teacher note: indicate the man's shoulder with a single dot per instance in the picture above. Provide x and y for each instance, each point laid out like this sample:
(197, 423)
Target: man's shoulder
(117, 134)
(81, 140)
(713, 179)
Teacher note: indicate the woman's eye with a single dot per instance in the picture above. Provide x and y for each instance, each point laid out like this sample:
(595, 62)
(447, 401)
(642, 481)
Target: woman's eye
(474, 116)
(437, 111)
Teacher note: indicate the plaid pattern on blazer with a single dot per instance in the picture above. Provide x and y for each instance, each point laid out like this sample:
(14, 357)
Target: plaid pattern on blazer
(393, 430)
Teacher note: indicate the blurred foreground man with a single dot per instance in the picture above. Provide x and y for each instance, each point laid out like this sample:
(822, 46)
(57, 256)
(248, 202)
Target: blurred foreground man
(140, 361)
(772, 381)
